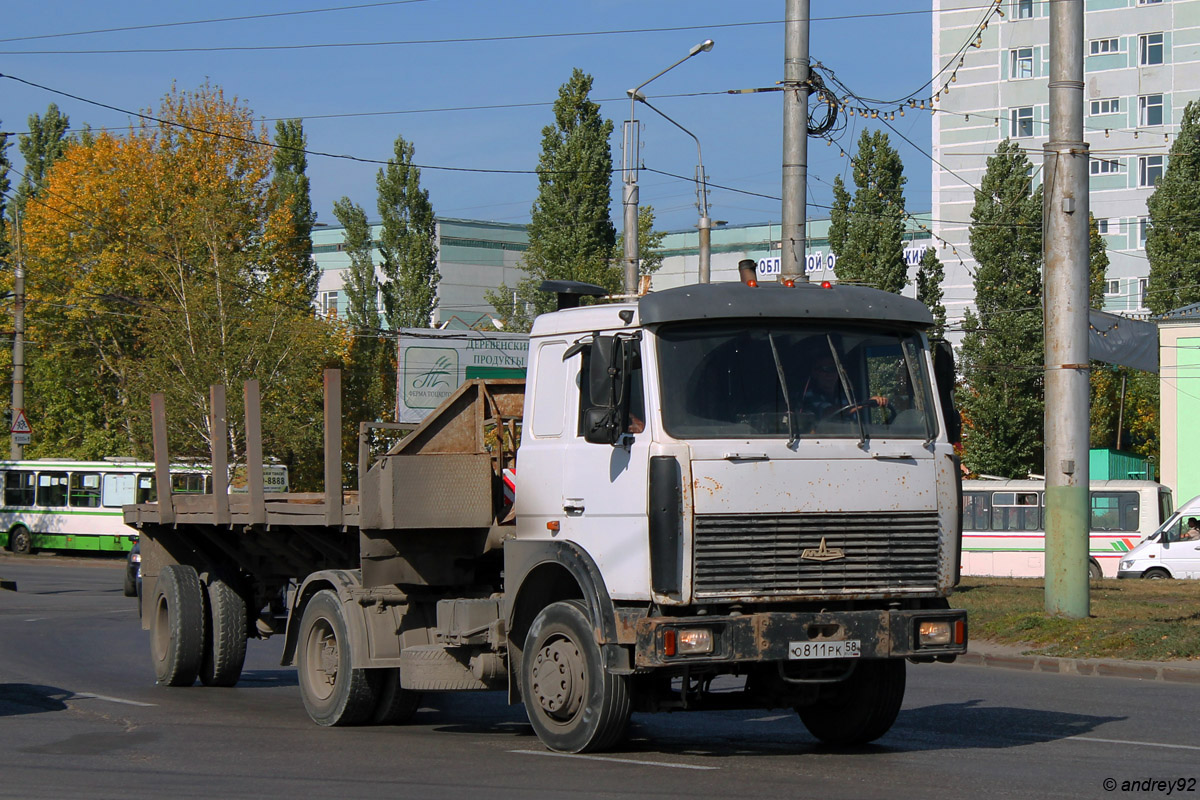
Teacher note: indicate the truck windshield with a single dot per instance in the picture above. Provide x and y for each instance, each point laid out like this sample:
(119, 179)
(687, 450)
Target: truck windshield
(778, 379)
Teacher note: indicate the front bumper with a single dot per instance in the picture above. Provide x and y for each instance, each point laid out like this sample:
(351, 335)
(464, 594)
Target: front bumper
(1130, 573)
(769, 636)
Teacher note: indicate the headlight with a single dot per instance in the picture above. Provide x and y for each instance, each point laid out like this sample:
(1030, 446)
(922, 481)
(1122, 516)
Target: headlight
(1126, 565)
(933, 632)
(687, 641)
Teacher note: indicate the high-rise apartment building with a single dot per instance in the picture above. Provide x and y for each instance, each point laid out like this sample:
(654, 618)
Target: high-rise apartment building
(1141, 68)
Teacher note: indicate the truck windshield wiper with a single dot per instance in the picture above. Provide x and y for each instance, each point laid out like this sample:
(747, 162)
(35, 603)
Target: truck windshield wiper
(792, 423)
(853, 402)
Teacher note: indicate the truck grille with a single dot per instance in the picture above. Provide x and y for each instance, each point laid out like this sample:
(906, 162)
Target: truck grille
(760, 555)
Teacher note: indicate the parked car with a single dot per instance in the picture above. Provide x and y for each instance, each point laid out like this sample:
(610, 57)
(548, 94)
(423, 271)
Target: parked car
(1168, 552)
(133, 572)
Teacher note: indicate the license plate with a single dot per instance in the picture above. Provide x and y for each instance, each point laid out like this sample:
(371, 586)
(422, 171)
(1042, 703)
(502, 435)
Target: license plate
(848, 648)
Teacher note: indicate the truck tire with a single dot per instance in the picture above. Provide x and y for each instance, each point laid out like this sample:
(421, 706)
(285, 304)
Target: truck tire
(573, 703)
(394, 705)
(1156, 574)
(20, 541)
(225, 642)
(177, 627)
(334, 692)
(861, 708)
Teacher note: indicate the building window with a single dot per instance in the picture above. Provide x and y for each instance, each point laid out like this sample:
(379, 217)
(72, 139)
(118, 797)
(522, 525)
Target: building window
(1149, 2)
(1143, 285)
(1102, 226)
(1105, 166)
(1112, 288)
(1150, 49)
(1150, 110)
(329, 304)
(1021, 63)
(1150, 170)
(1109, 105)
(1022, 122)
(1022, 9)
(1143, 230)
(1099, 47)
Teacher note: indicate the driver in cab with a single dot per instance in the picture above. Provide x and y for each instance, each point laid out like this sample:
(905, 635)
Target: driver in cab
(824, 396)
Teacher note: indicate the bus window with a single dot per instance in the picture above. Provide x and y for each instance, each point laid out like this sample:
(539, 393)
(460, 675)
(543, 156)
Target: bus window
(18, 488)
(1015, 511)
(975, 511)
(85, 490)
(51, 489)
(145, 489)
(1115, 511)
(189, 483)
(1164, 507)
(118, 490)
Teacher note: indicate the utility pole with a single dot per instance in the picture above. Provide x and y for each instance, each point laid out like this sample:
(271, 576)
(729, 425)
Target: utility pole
(629, 199)
(1065, 167)
(16, 449)
(795, 140)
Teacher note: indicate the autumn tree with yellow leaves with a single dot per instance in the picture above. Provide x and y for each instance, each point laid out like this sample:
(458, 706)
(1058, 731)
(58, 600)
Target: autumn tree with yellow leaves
(153, 266)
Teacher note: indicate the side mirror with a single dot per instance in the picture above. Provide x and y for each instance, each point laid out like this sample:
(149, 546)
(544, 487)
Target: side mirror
(943, 374)
(600, 426)
(607, 414)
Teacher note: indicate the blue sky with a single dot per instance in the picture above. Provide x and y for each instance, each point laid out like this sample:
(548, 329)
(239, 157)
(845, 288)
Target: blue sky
(356, 99)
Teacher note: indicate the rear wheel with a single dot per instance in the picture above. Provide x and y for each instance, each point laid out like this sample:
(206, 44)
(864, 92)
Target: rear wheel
(20, 541)
(394, 705)
(334, 693)
(225, 644)
(177, 627)
(861, 708)
(573, 703)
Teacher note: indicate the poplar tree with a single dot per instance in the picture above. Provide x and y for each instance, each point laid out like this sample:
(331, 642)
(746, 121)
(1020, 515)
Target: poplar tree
(296, 274)
(407, 242)
(1003, 398)
(930, 275)
(1173, 241)
(370, 374)
(571, 235)
(867, 234)
(43, 145)
(5, 165)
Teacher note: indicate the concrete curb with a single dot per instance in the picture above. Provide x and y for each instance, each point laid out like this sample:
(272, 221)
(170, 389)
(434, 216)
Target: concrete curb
(1187, 672)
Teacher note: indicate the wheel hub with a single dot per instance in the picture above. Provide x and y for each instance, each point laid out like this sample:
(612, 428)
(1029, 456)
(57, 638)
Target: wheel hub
(558, 679)
(328, 660)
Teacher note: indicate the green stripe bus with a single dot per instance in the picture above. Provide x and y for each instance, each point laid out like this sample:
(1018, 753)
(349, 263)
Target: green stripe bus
(60, 504)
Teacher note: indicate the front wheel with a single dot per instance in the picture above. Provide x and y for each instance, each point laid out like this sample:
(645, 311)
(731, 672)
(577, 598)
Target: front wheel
(573, 703)
(1094, 571)
(861, 708)
(1156, 574)
(20, 541)
(334, 693)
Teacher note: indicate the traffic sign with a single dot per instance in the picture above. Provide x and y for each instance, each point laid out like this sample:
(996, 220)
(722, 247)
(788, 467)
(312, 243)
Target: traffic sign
(20, 423)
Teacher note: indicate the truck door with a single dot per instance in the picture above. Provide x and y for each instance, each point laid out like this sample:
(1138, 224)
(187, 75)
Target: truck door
(1180, 556)
(605, 489)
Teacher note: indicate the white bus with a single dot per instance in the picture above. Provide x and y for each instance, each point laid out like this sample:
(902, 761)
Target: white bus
(60, 504)
(1003, 533)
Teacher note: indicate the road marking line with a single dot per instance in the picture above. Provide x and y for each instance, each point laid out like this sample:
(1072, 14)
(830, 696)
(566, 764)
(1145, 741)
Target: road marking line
(90, 696)
(615, 760)
(1042, 738)
(1143, 744)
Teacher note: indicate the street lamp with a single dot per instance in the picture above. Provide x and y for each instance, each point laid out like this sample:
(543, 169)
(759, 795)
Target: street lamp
(705, 224)
(629, 189)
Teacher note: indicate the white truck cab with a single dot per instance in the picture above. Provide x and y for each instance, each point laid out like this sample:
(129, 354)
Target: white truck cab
(1168, 552)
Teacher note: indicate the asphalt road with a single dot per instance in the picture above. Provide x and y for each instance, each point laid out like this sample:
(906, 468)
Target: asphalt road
(80, 717)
